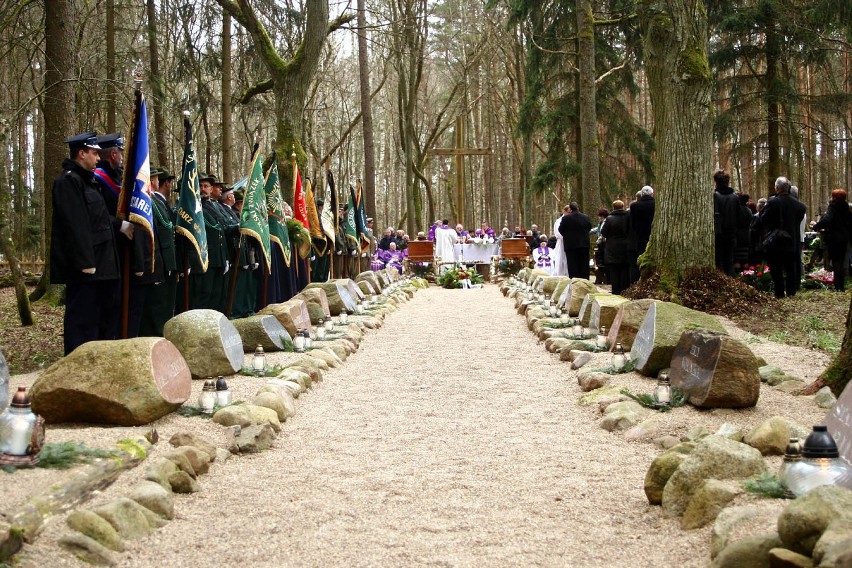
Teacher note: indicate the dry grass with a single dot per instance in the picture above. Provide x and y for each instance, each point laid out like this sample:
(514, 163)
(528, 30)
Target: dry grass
(28, 349)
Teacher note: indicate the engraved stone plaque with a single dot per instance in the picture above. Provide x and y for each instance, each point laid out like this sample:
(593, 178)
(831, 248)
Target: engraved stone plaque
(839, 422)
(694, 361)
(643, 343)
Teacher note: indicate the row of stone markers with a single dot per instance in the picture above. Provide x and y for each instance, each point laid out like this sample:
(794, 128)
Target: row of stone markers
(138, 381)
(698, 476)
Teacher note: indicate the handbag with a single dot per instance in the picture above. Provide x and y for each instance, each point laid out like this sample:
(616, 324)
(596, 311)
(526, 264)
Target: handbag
(776, 239)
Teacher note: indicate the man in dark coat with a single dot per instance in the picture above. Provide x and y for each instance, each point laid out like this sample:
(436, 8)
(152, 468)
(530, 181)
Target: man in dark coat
(206, 289)
(160, 297)
(726, 206)
(641, 220)
(574, 228)
(83, 255)
(108, 175)
(619, 246)
(786, 213)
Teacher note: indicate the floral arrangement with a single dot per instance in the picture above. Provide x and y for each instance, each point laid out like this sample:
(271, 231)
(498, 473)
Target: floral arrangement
(823, 276)
(509, 267)
(453, 277)
(757, 277)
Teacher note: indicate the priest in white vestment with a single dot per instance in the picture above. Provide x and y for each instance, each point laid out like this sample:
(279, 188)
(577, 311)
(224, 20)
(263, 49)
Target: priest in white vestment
(559, 262)
(445, 241)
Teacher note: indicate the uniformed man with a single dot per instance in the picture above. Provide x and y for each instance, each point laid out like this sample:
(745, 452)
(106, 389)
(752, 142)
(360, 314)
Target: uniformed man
(108, 174)
(83, 254)
(160, 298)
(248, 269)
(340, 254)
(206, 289)
(319, 262)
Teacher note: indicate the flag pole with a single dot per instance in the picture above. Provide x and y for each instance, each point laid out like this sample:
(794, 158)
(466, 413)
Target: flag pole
(128, 181)
(333, 216)
(186, 133)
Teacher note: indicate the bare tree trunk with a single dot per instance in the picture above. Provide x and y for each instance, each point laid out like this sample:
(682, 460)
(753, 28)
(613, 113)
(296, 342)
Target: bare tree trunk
(773, 112)
(58, 118)
(589, 140)
(680, 82)
(110, 64)
(157, 90)
(369, 186)
(227, 126)
(7, 244)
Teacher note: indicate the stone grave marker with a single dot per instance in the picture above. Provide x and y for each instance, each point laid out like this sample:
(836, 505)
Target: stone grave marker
(839, 423)
(315, 296)
(337, 294)
(562, 292)
(209, 342)
(127, 382)
(580, 288)
(370, 277)
(604, 308)
(551, 283)
(586, 307)
(660, 333)
(265, 331)
(628, 320)
(4, 383)
(715, 370)
(354, 290)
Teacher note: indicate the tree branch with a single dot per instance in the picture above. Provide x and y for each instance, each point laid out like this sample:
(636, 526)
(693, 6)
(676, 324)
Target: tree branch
(610, 72)
(257, 89)
(339, 22)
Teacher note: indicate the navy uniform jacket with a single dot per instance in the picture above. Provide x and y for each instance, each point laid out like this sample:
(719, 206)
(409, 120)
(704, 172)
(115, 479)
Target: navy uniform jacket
(81, 231)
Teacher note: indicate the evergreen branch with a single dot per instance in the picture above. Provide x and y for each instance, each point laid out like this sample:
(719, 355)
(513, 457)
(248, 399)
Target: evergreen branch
(767, 485)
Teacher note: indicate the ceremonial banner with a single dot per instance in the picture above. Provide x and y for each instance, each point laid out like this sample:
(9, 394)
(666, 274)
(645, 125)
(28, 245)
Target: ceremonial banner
(365, 234)
(190, 219)
(318, 241)
(253, 218)
(275, 211)
(300, 208)
(329, 213)
(134, 200)
(350, 227)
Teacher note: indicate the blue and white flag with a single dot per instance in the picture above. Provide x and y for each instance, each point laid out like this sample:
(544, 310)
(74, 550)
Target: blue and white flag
(134, 201)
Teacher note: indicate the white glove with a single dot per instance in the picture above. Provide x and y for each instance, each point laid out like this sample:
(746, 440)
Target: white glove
(138, 273)
(338, 253)
(363, 255)
(245, 267)
(227, 266)
(354, 253)
(89, 270)
(255, 266)
(127, 229)
(313, 258)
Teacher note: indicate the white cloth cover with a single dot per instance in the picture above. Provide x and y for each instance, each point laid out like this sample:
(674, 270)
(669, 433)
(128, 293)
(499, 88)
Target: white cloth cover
(559, 263)
(445, 240)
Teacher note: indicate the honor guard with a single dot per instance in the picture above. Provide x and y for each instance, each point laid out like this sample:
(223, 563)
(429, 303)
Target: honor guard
(83, 254)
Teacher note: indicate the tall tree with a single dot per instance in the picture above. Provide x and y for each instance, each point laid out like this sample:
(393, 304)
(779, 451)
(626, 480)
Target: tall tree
(156, 80)
(227, 126)
(58, 115)
(680, 83)
(7, 244)
(289, 77)
(589, 139)
(369, 187)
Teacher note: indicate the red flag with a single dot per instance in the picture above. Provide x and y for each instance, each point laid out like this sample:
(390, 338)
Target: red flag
(300, 208)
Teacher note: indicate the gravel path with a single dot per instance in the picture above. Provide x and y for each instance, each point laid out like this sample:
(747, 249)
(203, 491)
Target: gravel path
(451, 438)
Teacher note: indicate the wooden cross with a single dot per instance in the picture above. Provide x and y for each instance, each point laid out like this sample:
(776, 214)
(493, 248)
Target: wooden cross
(460, 152)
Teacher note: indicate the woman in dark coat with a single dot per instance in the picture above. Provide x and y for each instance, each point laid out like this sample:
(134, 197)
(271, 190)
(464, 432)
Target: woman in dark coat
(743, 245)
(619, 247)
(836, 226)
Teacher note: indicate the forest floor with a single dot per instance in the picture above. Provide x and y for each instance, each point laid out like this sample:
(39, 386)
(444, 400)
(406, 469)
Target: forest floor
(814, 319)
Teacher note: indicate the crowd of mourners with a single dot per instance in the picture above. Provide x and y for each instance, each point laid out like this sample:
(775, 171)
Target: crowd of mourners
(772, 233)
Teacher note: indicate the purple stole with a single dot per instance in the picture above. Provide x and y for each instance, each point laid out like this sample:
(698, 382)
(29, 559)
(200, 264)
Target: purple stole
(543, 257)
(432, 232)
